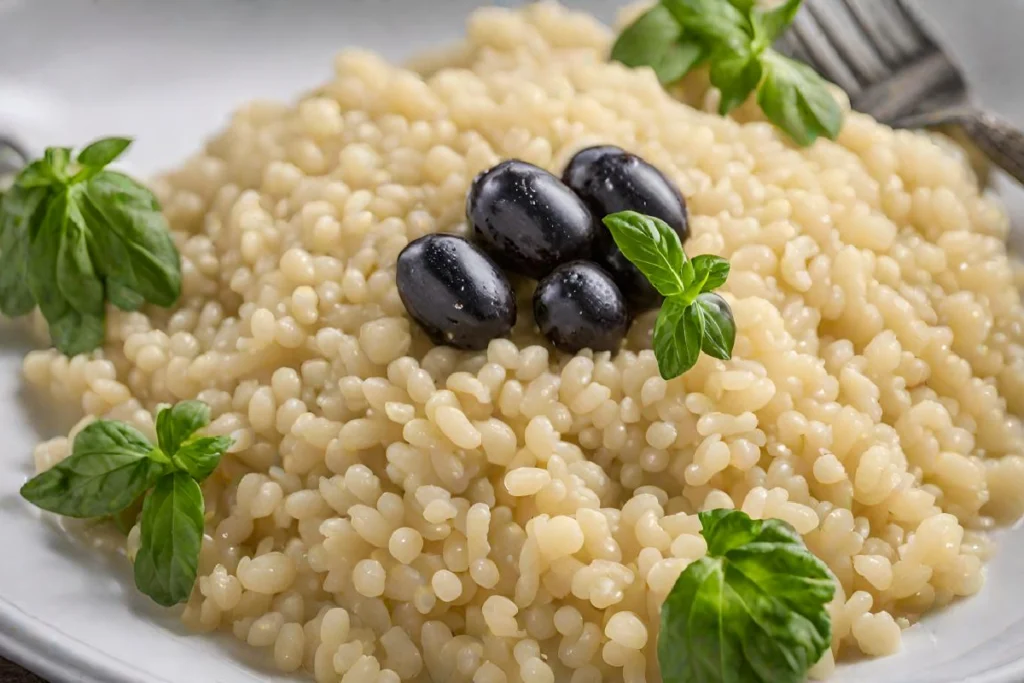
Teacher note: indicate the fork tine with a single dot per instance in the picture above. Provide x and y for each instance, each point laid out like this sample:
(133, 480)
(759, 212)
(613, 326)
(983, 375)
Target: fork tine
(821, 54)
(894, 33)
(847, 35)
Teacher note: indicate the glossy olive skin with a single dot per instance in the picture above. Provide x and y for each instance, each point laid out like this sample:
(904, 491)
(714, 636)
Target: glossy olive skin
(527, 219)
(456, 292)
(610, 180)
(579, 306)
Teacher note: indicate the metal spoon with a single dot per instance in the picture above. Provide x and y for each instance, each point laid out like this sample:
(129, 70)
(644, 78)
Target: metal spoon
(883, 55)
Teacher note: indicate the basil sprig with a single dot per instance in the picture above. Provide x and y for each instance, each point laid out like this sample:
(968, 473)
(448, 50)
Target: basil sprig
(112, 465)
(74, 235)
(693, 318)
(752, 610)
(734, 38)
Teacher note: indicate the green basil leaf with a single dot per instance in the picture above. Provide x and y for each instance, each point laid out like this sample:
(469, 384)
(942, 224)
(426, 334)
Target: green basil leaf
(199, 456)
(62, 280)
(653, 247)
(797, 100)
(172, 533)
(126, 519)
(769, 24)
(744, 6)
(36, 174)
(57, 160)
(656, 40)
(736, 73)
(710, 271)
(135, 241)
(719, 326)
(678, 333)
(752, 610)
(19, 209)
(712, 20)
(123, 296)
(104, 151)
(109, 467)
(176, 424)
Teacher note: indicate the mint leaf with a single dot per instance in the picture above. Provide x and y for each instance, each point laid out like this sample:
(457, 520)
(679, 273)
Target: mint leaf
(653, 247)
(752, 610)
(18, 210)
(133, 243)
(678, 334)
(719, 326)
(109, 467)
(736, 72)
(656, 40)
(797, 100)
(62, 280)
(172, 533)
(104, 151)
(176, 424)
(199, 456)
(709, 271)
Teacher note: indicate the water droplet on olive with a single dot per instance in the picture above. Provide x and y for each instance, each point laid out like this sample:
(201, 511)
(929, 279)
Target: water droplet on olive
(455, 292)
(527, 219)
(610, 180)
(579, 306)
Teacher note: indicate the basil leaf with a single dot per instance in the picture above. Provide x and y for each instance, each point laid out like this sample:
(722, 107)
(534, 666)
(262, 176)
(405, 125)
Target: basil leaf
(200, 456)
(62, 280)
(656, 40)
(712, 20)
(736, 72)
(744, 6)
(678, 332)
(56, 160)
(19, 208)
(752, 610)
(172, 533)
(653, 247)
(769, 24)
(36, 174)
(797, 100)
(176, 424)
(109, 467)
(719, 326)
(104, 151)
(134, 247)
(710, 271)
(123, 297)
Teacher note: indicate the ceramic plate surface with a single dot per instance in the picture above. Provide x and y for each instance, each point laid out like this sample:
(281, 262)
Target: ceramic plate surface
(169, 73)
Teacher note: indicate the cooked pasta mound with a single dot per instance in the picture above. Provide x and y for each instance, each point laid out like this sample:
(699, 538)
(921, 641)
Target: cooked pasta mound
(396, 511)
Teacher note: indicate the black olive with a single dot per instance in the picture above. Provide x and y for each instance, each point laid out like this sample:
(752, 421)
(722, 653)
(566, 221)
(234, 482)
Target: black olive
(610, 180)
(527, 219)
(456, 292)
(578, 306)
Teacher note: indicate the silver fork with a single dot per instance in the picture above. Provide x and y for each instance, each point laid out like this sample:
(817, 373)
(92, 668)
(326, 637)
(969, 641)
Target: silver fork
(883, 55)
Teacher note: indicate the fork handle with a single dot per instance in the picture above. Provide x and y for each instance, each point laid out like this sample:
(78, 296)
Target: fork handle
(998, 139)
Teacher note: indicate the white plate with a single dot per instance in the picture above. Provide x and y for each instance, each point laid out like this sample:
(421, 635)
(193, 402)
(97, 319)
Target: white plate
(169, 73)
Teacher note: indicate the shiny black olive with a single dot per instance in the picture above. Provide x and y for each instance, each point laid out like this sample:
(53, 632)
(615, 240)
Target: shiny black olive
(527, 219)
(578, 306)
(456, 292)
(610, 180)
